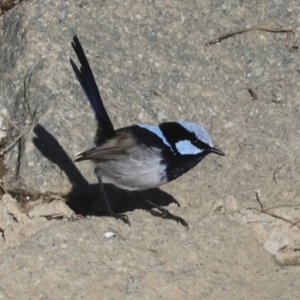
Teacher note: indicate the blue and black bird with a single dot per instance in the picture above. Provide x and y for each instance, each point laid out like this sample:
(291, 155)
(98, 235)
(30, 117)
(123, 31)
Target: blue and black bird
(140, 156)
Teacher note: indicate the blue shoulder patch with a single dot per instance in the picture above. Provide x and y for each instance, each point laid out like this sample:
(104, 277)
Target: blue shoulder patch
(156, 130)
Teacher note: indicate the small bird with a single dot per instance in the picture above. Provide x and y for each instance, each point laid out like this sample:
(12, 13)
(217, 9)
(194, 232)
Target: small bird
(141, 156)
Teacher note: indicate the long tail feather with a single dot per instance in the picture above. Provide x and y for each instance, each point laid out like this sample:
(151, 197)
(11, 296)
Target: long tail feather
(87, 81)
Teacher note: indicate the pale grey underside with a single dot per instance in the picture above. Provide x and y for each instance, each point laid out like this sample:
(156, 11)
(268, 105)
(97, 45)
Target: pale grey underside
(139, 170)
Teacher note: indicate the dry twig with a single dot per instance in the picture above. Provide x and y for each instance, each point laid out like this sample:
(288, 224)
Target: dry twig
(280, 168)
(14, 124)
(11, 144)
(266, 211)
(262, 28)
(60, 216)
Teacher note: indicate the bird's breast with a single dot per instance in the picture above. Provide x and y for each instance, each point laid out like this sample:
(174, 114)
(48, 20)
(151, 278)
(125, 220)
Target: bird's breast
(140, 170)
(180, 164)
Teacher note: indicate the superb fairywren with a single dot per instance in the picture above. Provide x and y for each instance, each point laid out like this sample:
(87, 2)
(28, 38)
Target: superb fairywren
(139, 156)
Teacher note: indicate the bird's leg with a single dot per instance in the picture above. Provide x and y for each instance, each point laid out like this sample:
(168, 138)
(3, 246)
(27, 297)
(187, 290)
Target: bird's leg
(123, 217)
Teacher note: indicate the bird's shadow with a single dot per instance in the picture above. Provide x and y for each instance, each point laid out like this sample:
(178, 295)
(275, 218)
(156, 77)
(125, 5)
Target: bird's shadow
(85, 198)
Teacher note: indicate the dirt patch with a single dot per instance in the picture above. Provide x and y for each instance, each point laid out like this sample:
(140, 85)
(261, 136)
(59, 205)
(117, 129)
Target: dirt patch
(16, 226)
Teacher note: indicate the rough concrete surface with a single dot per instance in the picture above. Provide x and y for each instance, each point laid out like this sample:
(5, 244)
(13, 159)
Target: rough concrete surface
(152, 64)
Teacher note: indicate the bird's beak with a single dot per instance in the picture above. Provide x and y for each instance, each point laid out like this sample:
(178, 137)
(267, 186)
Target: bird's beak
(217, 151)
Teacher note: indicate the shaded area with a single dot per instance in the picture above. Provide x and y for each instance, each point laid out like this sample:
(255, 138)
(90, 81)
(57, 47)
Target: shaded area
(2, 167)
(52, 150)
(6, 5)
(85, 198)
(2, 172)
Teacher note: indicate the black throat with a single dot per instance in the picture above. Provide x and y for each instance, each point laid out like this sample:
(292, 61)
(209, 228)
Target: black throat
(180, 164)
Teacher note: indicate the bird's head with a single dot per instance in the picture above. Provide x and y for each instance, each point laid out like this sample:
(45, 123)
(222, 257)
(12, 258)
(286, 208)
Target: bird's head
(187, 138)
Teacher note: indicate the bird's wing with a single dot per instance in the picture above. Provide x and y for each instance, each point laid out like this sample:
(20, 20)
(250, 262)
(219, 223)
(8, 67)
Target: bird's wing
(120, 145)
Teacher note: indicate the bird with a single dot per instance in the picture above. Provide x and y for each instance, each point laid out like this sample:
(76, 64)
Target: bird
(140, 156)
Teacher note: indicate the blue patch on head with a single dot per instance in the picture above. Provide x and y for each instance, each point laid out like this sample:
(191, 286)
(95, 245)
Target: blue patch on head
(198, 130)
(187, 148)
(156, 130)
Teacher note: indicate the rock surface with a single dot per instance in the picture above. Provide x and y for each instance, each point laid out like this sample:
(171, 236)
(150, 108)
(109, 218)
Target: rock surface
(151, 63)
(17, 226)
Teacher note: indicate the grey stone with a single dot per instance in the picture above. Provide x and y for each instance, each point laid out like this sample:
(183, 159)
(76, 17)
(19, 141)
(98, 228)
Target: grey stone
(131, 57)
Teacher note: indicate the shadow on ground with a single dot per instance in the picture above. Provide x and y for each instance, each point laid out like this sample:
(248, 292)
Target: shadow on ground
(85, 198)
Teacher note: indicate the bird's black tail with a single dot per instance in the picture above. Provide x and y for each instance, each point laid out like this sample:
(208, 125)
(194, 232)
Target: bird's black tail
(86, 79)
